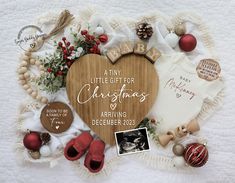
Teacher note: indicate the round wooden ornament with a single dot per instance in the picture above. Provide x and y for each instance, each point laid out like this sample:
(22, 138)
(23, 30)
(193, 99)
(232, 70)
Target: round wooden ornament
(56, 117)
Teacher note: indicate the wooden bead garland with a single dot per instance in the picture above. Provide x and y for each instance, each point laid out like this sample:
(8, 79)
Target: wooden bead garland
(25, 77)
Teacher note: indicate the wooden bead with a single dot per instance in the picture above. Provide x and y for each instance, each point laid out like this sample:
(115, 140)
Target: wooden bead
(153, 54)
(28, 53)
(34, 94)
(22, 82)
(22, 70)
(114, 54)
(21, 76)
(25, 58)
(38, 63)
(44, 100)
(29, 91)
(23, 63)
(126, 47)
(30, 50)
(140, 48)
(26, 75)
(41, 67)
(26, 86)
(38, 97)
(180, 29)
(32, 61)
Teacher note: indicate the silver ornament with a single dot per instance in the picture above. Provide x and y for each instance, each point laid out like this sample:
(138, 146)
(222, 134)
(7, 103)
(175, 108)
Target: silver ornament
(34, 154)
(178, 149)
(180, 29)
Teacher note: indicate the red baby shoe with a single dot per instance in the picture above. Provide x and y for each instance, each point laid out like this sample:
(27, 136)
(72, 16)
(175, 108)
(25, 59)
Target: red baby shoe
(76, 147)
(94, 160)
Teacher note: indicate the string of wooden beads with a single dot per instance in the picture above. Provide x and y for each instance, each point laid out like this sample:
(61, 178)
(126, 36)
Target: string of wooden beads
(24, 75)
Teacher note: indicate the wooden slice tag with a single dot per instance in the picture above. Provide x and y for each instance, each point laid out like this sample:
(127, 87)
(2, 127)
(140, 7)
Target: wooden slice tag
(208, 69)
(56, 117)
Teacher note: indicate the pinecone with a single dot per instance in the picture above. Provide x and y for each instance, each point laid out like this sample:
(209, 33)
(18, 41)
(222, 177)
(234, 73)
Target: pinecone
(45, 137)
(144, 31)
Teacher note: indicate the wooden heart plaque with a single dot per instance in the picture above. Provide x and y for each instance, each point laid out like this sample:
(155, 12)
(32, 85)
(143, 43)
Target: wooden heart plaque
(111, 98)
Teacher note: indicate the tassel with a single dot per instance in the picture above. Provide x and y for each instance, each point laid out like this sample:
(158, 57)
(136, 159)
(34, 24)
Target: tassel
(64, 19)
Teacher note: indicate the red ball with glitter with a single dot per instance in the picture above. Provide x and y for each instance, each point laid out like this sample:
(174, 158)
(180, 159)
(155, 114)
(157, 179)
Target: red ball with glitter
(196, 155)
(32, 141)
(187, 42)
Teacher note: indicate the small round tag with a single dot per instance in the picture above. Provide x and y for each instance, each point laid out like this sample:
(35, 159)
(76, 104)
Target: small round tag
(56, 117)
(208, 69)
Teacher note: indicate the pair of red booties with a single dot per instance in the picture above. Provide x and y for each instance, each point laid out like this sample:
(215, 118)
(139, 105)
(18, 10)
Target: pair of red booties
(78, 146)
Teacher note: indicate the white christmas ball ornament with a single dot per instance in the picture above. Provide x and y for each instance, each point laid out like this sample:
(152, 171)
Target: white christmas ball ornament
(178, 161)
(45, 151)
(99, 30)
(172, 39)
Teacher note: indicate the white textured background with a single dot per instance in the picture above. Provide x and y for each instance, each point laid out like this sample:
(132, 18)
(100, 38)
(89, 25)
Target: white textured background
(219, 129)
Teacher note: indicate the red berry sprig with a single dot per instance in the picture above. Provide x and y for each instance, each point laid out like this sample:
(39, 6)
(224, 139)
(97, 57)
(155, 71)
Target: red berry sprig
(91, 44)
(67, 50)
(66, 47)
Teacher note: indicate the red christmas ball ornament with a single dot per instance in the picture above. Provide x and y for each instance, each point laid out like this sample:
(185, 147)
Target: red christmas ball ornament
(196, 155)
(187, 42)
(32, 141)
(103, 38)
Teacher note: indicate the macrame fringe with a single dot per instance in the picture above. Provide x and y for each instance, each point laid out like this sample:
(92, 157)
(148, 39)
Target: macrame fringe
(209, 107)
